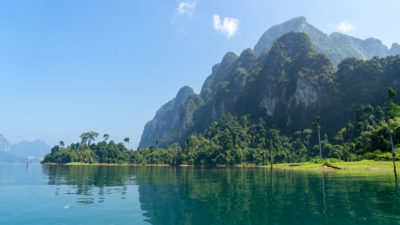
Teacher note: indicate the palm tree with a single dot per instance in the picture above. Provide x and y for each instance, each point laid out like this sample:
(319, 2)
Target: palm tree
(92, 136)
(106, 137)
(88, 137)
(391, 93)
(84, 137)
(126, 140)
(317, 124)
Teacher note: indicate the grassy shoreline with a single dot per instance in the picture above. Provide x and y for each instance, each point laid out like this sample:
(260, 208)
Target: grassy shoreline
(365, 165)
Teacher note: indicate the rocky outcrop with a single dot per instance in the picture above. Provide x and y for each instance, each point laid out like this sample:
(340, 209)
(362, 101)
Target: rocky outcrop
(219, 72)
(305, 93)
(168, 120)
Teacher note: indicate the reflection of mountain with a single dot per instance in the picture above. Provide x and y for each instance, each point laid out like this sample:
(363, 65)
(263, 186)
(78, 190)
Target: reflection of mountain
(174, 196)
(224, 196)
(168, 204)
(8, 157)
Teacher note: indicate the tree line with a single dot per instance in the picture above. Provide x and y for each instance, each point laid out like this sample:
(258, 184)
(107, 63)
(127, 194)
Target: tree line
(241, 140)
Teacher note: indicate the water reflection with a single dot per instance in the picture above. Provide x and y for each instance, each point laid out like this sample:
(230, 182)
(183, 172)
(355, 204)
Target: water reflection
(90, 183)
(237, 196)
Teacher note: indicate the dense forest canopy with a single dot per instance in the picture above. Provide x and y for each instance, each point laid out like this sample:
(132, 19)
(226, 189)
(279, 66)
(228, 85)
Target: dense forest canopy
(234, 140)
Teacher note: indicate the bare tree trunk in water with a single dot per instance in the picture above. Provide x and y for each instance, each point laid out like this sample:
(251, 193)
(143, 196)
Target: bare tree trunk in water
(272, 180)
(271, 160)
(323, 193)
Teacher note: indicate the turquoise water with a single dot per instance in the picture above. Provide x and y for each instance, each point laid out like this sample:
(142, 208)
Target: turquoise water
(166, 195)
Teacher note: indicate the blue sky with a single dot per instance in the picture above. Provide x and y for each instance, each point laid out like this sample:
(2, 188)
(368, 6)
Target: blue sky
(72, 66)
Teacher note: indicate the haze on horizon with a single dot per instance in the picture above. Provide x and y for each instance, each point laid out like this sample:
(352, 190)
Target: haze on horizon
(71, 67)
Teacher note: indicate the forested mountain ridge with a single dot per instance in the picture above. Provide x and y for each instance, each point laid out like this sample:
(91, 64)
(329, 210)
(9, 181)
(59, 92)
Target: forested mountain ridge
(336, 46)
(287, 85)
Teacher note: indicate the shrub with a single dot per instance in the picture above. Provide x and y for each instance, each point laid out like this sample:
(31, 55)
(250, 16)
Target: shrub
(372, 155)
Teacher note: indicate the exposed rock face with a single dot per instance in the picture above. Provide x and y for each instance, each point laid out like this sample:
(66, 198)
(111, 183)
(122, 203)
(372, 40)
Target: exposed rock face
(269, 102)
(167, 120)
(336, 46)
(305, 93)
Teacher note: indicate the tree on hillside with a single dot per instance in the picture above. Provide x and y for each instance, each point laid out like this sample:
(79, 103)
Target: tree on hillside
(317, 124)
(62, 143)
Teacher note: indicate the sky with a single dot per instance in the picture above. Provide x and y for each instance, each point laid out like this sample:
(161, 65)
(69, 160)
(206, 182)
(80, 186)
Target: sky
(67, 67)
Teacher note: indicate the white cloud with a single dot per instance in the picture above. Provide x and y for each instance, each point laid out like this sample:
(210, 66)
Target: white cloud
(229, 26)
(345, 26)
(186, 8)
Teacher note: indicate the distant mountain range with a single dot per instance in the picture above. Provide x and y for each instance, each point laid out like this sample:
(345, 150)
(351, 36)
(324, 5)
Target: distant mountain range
(336, 46)
(23, 151)
(294, 73)
(4, 144)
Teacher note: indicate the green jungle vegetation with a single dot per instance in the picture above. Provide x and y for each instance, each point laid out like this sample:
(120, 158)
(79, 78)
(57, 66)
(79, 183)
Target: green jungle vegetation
(233, 140)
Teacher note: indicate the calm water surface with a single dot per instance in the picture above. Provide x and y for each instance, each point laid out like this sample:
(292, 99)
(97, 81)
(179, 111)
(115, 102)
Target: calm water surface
(173, 196)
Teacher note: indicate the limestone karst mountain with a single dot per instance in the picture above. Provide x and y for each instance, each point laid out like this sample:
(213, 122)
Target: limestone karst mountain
(288, 79)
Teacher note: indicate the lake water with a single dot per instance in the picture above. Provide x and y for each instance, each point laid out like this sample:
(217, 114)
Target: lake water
(173, 196)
